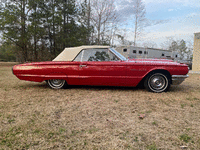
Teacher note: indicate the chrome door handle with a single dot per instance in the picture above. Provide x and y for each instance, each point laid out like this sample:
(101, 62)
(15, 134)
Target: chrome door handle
(83, 66)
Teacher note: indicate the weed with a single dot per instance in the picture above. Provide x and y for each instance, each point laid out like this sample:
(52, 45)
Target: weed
(50, 135)
(188, 129)
(166, 118)
(183, 105)
(136, 139)
(116, 101)
(188, 98)
(185, 138)
(11, 120)
(127, 146)
(149, 111)
(37, 131)
(61, 130)
(152, 147)
(74, 132)
(92, 130)
(154, 123)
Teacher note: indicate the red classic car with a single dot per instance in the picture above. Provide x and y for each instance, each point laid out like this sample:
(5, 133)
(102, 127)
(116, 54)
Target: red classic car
(102, 66)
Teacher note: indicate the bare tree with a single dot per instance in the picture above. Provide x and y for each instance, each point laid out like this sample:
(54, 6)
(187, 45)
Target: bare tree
(181, 47)
(168, 43)
(139, 17)
(190, 51)
(103, 14)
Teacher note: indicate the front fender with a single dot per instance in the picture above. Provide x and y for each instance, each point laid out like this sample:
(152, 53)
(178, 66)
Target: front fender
(156, 69)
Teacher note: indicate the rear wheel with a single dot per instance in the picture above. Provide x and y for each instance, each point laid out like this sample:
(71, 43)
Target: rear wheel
(56, 83)
(157, 82)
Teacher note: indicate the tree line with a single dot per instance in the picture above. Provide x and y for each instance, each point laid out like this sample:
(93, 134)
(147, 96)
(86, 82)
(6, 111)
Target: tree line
(39, 30)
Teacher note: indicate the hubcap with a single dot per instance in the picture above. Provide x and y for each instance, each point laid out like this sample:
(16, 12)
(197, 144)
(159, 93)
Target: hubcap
(158, 82)
(56, 83)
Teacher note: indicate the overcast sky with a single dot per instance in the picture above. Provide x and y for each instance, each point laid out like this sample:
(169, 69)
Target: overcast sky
(178, 19)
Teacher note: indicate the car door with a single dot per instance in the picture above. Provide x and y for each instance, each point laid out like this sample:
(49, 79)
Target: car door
(99, 67)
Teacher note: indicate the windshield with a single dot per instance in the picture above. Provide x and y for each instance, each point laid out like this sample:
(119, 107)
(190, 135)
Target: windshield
(118, 54)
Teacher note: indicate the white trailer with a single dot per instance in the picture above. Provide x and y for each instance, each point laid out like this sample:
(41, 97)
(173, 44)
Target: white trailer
(141, 52)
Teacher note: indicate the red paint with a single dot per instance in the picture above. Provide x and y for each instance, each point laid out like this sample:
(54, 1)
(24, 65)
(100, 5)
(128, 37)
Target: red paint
(113, 73)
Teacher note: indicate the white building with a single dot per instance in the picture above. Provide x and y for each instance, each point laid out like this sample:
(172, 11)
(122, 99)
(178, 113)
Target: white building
(141, 52)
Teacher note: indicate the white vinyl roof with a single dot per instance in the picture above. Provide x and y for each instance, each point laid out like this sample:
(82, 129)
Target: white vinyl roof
(68, 54)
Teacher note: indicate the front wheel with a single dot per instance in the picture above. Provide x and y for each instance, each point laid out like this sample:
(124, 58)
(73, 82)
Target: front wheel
(56, 83)
(157, 82)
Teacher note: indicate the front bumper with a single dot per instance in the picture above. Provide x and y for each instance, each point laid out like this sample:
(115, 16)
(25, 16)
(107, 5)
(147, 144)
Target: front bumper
(178, 79)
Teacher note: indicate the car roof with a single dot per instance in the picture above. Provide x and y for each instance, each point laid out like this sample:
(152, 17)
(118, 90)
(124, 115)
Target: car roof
(68, 54)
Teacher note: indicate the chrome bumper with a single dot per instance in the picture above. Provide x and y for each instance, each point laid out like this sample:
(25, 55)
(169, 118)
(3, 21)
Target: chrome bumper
(178, 79)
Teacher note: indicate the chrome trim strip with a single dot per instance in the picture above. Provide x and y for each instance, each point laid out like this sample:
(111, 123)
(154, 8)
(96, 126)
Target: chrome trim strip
(180, 76)
(178, 79)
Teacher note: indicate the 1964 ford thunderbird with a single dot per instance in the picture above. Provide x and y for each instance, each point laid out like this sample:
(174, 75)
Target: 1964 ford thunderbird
(103, 66)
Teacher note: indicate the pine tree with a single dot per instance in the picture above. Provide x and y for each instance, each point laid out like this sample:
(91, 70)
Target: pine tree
(13, 25)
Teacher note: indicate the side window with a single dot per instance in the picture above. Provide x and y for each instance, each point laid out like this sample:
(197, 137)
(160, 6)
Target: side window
(113, 57)
(79, 56)
(96, 55)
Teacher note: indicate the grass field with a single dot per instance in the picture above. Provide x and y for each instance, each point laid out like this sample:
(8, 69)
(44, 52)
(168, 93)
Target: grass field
(33, 116)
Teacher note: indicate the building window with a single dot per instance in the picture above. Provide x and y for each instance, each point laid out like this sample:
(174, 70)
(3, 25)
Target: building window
(163, 54)
(134, 51)
(140, 52)
(125, 50)
(176, 56)
(145, 52)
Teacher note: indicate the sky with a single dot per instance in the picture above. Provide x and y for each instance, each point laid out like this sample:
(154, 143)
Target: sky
(170, 19)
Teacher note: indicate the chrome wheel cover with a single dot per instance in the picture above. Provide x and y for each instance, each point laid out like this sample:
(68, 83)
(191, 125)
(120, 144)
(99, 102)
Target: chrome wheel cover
(158, 82)
(56, 83)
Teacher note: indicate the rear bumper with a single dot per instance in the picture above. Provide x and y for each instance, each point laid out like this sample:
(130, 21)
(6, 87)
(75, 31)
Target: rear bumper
(178, 79)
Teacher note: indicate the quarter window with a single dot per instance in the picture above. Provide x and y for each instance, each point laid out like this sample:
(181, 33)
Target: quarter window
(79, 56)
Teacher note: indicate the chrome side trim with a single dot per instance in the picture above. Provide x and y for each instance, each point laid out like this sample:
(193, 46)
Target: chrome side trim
(178, 79)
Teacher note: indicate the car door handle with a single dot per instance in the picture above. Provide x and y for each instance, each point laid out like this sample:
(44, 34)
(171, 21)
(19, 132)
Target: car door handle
(83, 66)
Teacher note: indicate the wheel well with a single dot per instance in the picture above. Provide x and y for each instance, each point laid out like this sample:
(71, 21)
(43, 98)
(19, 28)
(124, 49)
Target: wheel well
(141, 83)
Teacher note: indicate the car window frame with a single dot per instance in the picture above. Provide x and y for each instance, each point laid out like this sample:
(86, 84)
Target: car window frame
(82, 51)
(113, 50)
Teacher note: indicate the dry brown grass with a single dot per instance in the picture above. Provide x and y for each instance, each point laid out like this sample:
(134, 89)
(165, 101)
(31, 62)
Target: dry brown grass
(32, 116)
